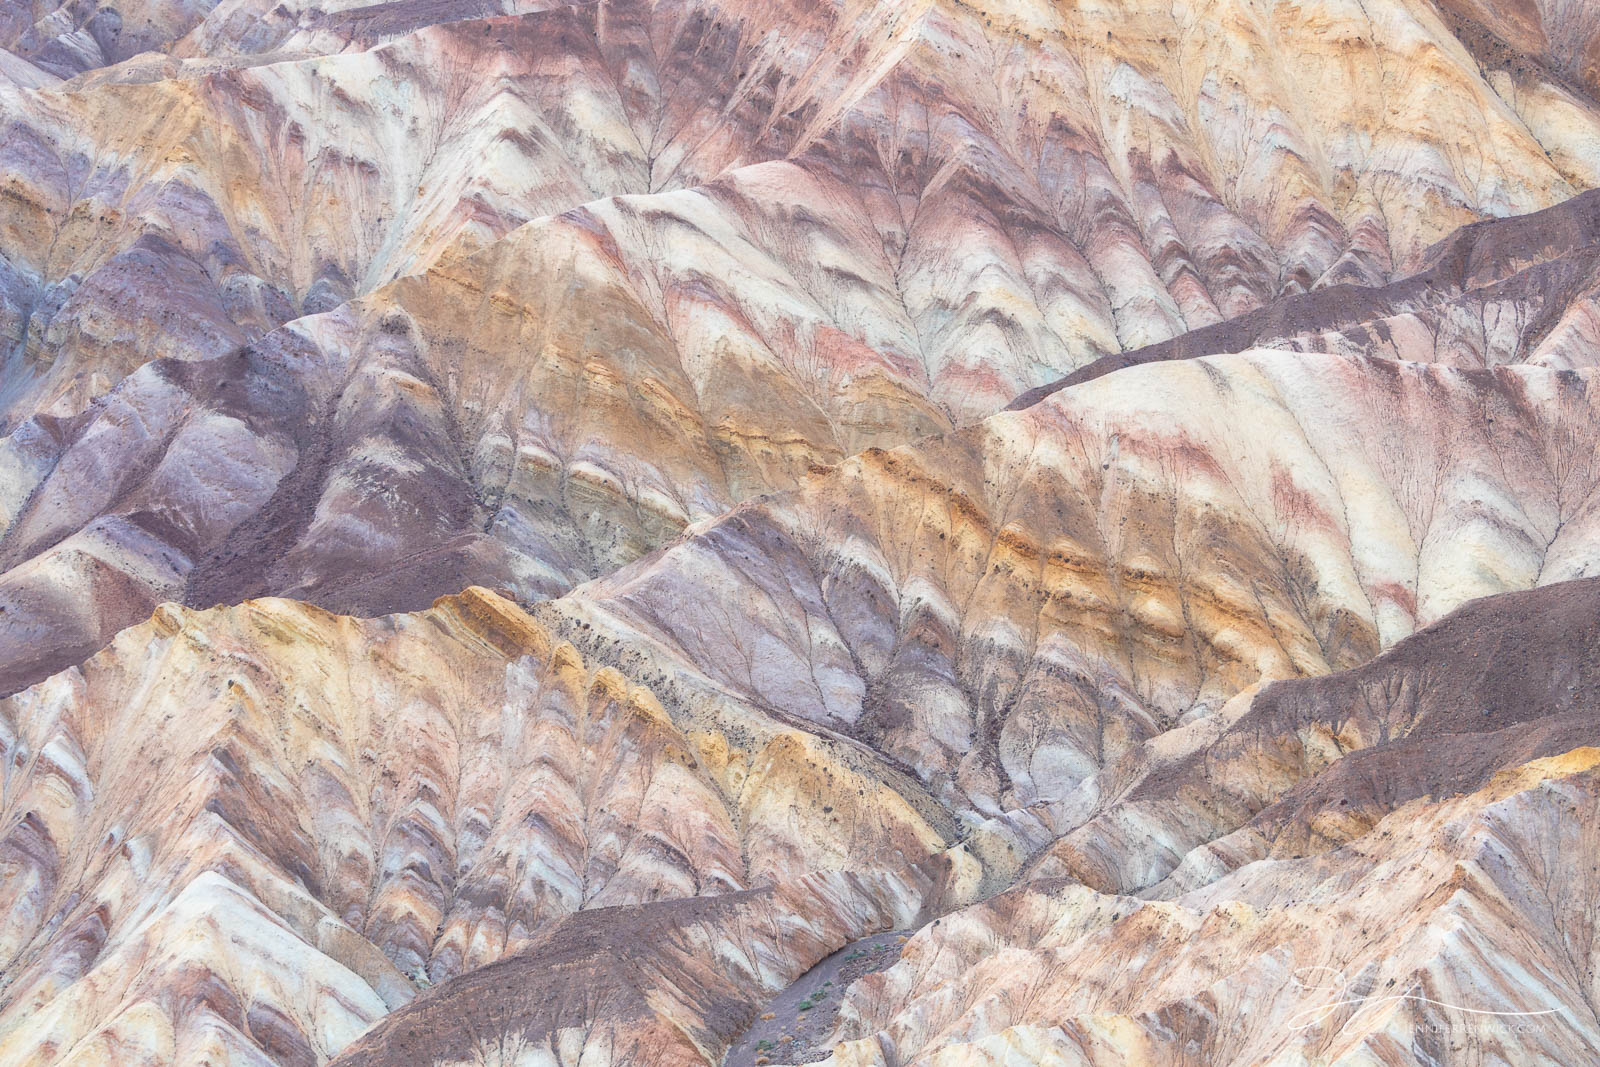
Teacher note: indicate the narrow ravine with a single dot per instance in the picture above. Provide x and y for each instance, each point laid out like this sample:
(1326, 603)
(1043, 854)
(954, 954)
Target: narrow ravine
(795, 1025)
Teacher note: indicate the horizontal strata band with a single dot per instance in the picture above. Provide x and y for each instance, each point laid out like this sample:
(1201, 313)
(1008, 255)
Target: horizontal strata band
(728, 533)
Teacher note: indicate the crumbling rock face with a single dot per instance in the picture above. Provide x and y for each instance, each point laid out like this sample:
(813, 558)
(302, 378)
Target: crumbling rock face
(716, 248)
(1304, 766)
(529, 528)
(1503, 291)
(1010, 608)
(1375, 952)
(1395, 822)
(222, 806)
(576, 995)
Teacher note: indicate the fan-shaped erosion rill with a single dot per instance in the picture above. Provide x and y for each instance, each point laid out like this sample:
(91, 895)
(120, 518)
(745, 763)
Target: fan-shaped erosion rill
(697, 532)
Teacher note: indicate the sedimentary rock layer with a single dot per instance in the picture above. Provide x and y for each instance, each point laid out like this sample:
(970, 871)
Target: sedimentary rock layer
(1399, 825)
(527, 525)
(760, 241)
(1517, 290)
(1008, 608)
(1382, 951)
(264, 826)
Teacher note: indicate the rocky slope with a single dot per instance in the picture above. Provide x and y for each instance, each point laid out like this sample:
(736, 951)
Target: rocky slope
(1517, 290)
(1399, 825)
(398, 448)
(261, 825)
(527, 527)
(1007, 608)
(760, 243)
(1381, 951)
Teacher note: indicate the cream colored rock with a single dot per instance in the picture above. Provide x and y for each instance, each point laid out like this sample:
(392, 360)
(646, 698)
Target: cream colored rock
(262, 824)
(1010, 608)
(1245, 668)
(1390, 950)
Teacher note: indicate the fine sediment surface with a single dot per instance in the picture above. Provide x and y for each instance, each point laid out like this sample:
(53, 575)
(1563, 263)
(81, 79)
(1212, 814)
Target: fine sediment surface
(542, 534)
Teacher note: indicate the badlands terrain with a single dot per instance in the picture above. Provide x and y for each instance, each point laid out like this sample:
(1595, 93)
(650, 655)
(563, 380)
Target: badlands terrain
(584, 533)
